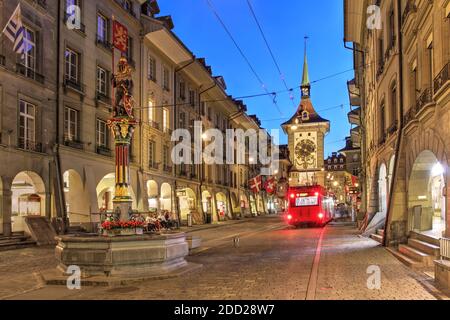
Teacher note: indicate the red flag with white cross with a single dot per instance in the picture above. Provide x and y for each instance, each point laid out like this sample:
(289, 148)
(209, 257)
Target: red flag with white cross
(256, 184)
(270, 186)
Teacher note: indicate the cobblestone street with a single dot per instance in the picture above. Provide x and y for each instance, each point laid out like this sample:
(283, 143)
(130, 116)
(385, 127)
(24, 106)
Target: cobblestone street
(272, 262)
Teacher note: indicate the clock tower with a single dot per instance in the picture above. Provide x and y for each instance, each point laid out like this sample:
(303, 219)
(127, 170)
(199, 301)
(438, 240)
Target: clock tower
(306, 132)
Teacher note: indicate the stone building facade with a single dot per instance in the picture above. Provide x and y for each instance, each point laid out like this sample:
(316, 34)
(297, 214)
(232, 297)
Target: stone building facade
(55, 143)
(402, 82)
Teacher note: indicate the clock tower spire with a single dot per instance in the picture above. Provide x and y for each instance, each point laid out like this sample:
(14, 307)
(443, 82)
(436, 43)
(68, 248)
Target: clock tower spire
(306, 84)
(306, 132)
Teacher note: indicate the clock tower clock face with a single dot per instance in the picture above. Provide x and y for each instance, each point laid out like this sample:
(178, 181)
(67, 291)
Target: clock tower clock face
(305, 151)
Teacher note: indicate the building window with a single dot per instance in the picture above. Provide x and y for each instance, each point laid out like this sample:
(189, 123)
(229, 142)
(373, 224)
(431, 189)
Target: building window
(102, 81)
(152, 68)
(182, 120)
(166, 125)
(192, 98)
(151, 108)
(27, 125)
(72, 65)
(430, 62)
(394, 104)
(165, 156)
(102, 134)
(130, 50)
(29, 57)
(182, 90)
(391, 28)
(70, 124)
(102, 28)
(151, 153)
(166, 79)
(382, 120)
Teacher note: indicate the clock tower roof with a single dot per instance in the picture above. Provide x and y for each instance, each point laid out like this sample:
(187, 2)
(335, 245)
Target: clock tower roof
(305, 112)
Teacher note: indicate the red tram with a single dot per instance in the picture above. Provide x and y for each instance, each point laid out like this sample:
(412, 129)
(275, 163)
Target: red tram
(309, 206)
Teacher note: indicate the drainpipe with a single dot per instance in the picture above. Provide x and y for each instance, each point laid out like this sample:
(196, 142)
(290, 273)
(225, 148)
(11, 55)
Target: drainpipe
(203, 165)
(401, 124)
(56, 149)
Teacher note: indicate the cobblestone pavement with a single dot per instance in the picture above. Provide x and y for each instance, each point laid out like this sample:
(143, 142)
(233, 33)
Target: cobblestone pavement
(272, 262)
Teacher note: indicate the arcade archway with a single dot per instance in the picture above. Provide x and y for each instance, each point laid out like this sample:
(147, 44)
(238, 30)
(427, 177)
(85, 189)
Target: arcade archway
(153, 196)
(382, 189)
(105, 193)
(187, 201)
(426, 195)
(207, 205)
(77, 205)
(221, 205)
(166, 197)
(28, 198)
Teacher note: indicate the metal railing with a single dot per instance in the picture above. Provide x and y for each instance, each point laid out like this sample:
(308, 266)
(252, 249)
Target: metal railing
(29, 73)
(167, 168)
(445, 248)
(154, 124)
(425, 98)
(154, 166)
(442, 78)
(103, 98)
(76, 85)
(100, 40)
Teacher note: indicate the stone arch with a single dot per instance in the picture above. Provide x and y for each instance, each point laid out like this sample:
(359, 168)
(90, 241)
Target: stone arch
(382, 189)
(390, 176)
(28, 198)
(427, 204)
(166, 197)
(76, 197)
(153, 196)
(427, 140)
(105, 193)
(221, 205)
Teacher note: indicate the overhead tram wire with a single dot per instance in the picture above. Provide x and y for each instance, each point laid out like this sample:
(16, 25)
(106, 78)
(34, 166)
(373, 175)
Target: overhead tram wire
(222, 23)
(277, 65)
(273, 94)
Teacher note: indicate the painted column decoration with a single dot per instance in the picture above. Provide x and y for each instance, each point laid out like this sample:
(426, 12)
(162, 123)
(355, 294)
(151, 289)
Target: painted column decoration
(122, 125)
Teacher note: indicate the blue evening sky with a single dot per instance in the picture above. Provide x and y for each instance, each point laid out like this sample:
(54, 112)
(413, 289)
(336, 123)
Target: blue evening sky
(285, 23)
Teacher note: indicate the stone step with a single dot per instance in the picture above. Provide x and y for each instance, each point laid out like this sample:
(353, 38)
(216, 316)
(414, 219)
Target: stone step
(14, 237)
(13, 245)
(405, 259)
(425, 247)
(425, 238)
(424, 259)
(377, 238)
(380, 232)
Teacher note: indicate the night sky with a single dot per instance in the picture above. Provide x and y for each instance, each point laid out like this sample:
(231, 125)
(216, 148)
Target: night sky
(285, 24)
